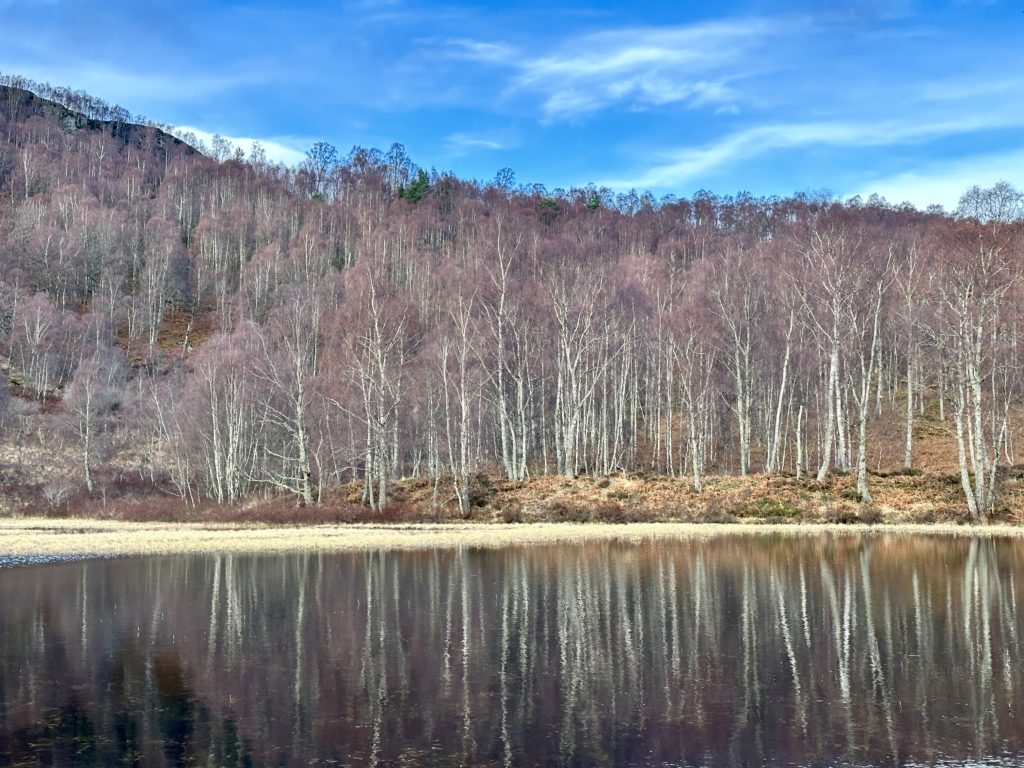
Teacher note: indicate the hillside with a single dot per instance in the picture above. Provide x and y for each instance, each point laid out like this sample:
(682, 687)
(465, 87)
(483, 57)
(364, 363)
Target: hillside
(20, 106)
(191, 335)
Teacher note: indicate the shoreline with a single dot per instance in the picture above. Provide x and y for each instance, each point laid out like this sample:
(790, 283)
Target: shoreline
(921, 498)
(29, 540)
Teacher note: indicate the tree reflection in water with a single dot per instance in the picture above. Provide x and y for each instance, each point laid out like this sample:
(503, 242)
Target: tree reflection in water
(866, 648)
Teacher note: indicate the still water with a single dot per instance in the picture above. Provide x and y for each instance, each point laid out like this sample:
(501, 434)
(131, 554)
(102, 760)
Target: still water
(738, 650)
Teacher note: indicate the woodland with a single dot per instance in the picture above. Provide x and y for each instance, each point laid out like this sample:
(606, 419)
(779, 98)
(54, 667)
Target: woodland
(198, 326)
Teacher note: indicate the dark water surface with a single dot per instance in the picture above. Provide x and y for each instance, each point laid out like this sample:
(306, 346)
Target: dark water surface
(750, 650)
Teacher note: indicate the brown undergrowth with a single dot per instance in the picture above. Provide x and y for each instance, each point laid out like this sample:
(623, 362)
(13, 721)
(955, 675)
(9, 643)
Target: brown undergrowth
(627, 498)
(39, 477)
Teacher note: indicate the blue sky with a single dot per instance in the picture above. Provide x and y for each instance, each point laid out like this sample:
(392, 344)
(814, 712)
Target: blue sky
(913, 100)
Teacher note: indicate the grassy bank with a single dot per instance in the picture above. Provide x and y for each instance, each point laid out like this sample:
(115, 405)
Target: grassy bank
(546, 510)
(898, 497)
(48, 538)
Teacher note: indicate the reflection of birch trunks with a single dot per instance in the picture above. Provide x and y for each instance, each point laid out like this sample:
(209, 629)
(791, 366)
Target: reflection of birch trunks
(744, 649)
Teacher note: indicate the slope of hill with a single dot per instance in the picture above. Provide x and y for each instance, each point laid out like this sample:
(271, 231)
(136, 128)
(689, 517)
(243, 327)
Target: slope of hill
(18, 106)
(358, 335)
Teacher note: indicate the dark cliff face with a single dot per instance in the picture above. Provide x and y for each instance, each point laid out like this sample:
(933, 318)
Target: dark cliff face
(18, 105)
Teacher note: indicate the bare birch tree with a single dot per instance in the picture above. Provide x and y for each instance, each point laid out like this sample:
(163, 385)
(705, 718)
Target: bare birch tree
(983, 267)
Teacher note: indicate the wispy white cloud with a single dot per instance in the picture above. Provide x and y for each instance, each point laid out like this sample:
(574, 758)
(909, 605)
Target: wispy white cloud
(459, 143)
(975, 86)
(480, 51)
(844, 92)
(679, 167)
(279, 150)
(646, 67)
(636, 67)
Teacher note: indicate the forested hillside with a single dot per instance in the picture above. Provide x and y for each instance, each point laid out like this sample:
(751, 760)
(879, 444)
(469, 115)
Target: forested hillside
(215, 328)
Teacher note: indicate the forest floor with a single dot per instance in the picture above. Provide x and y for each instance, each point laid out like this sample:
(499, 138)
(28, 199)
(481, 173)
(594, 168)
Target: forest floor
(898, 498)
(41, 476)
(35, 540)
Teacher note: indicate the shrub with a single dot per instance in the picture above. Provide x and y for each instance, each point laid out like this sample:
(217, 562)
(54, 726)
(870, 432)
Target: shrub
(842, 515)
(565, 511)
(160, 509)
(716, 510)
(870, 515)
(480, 490)
(613, 512)
(397, 511)
(769, 508)
(717, 516)
(397, 493)
(512, 512)
(901, 472)
(57, 493)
